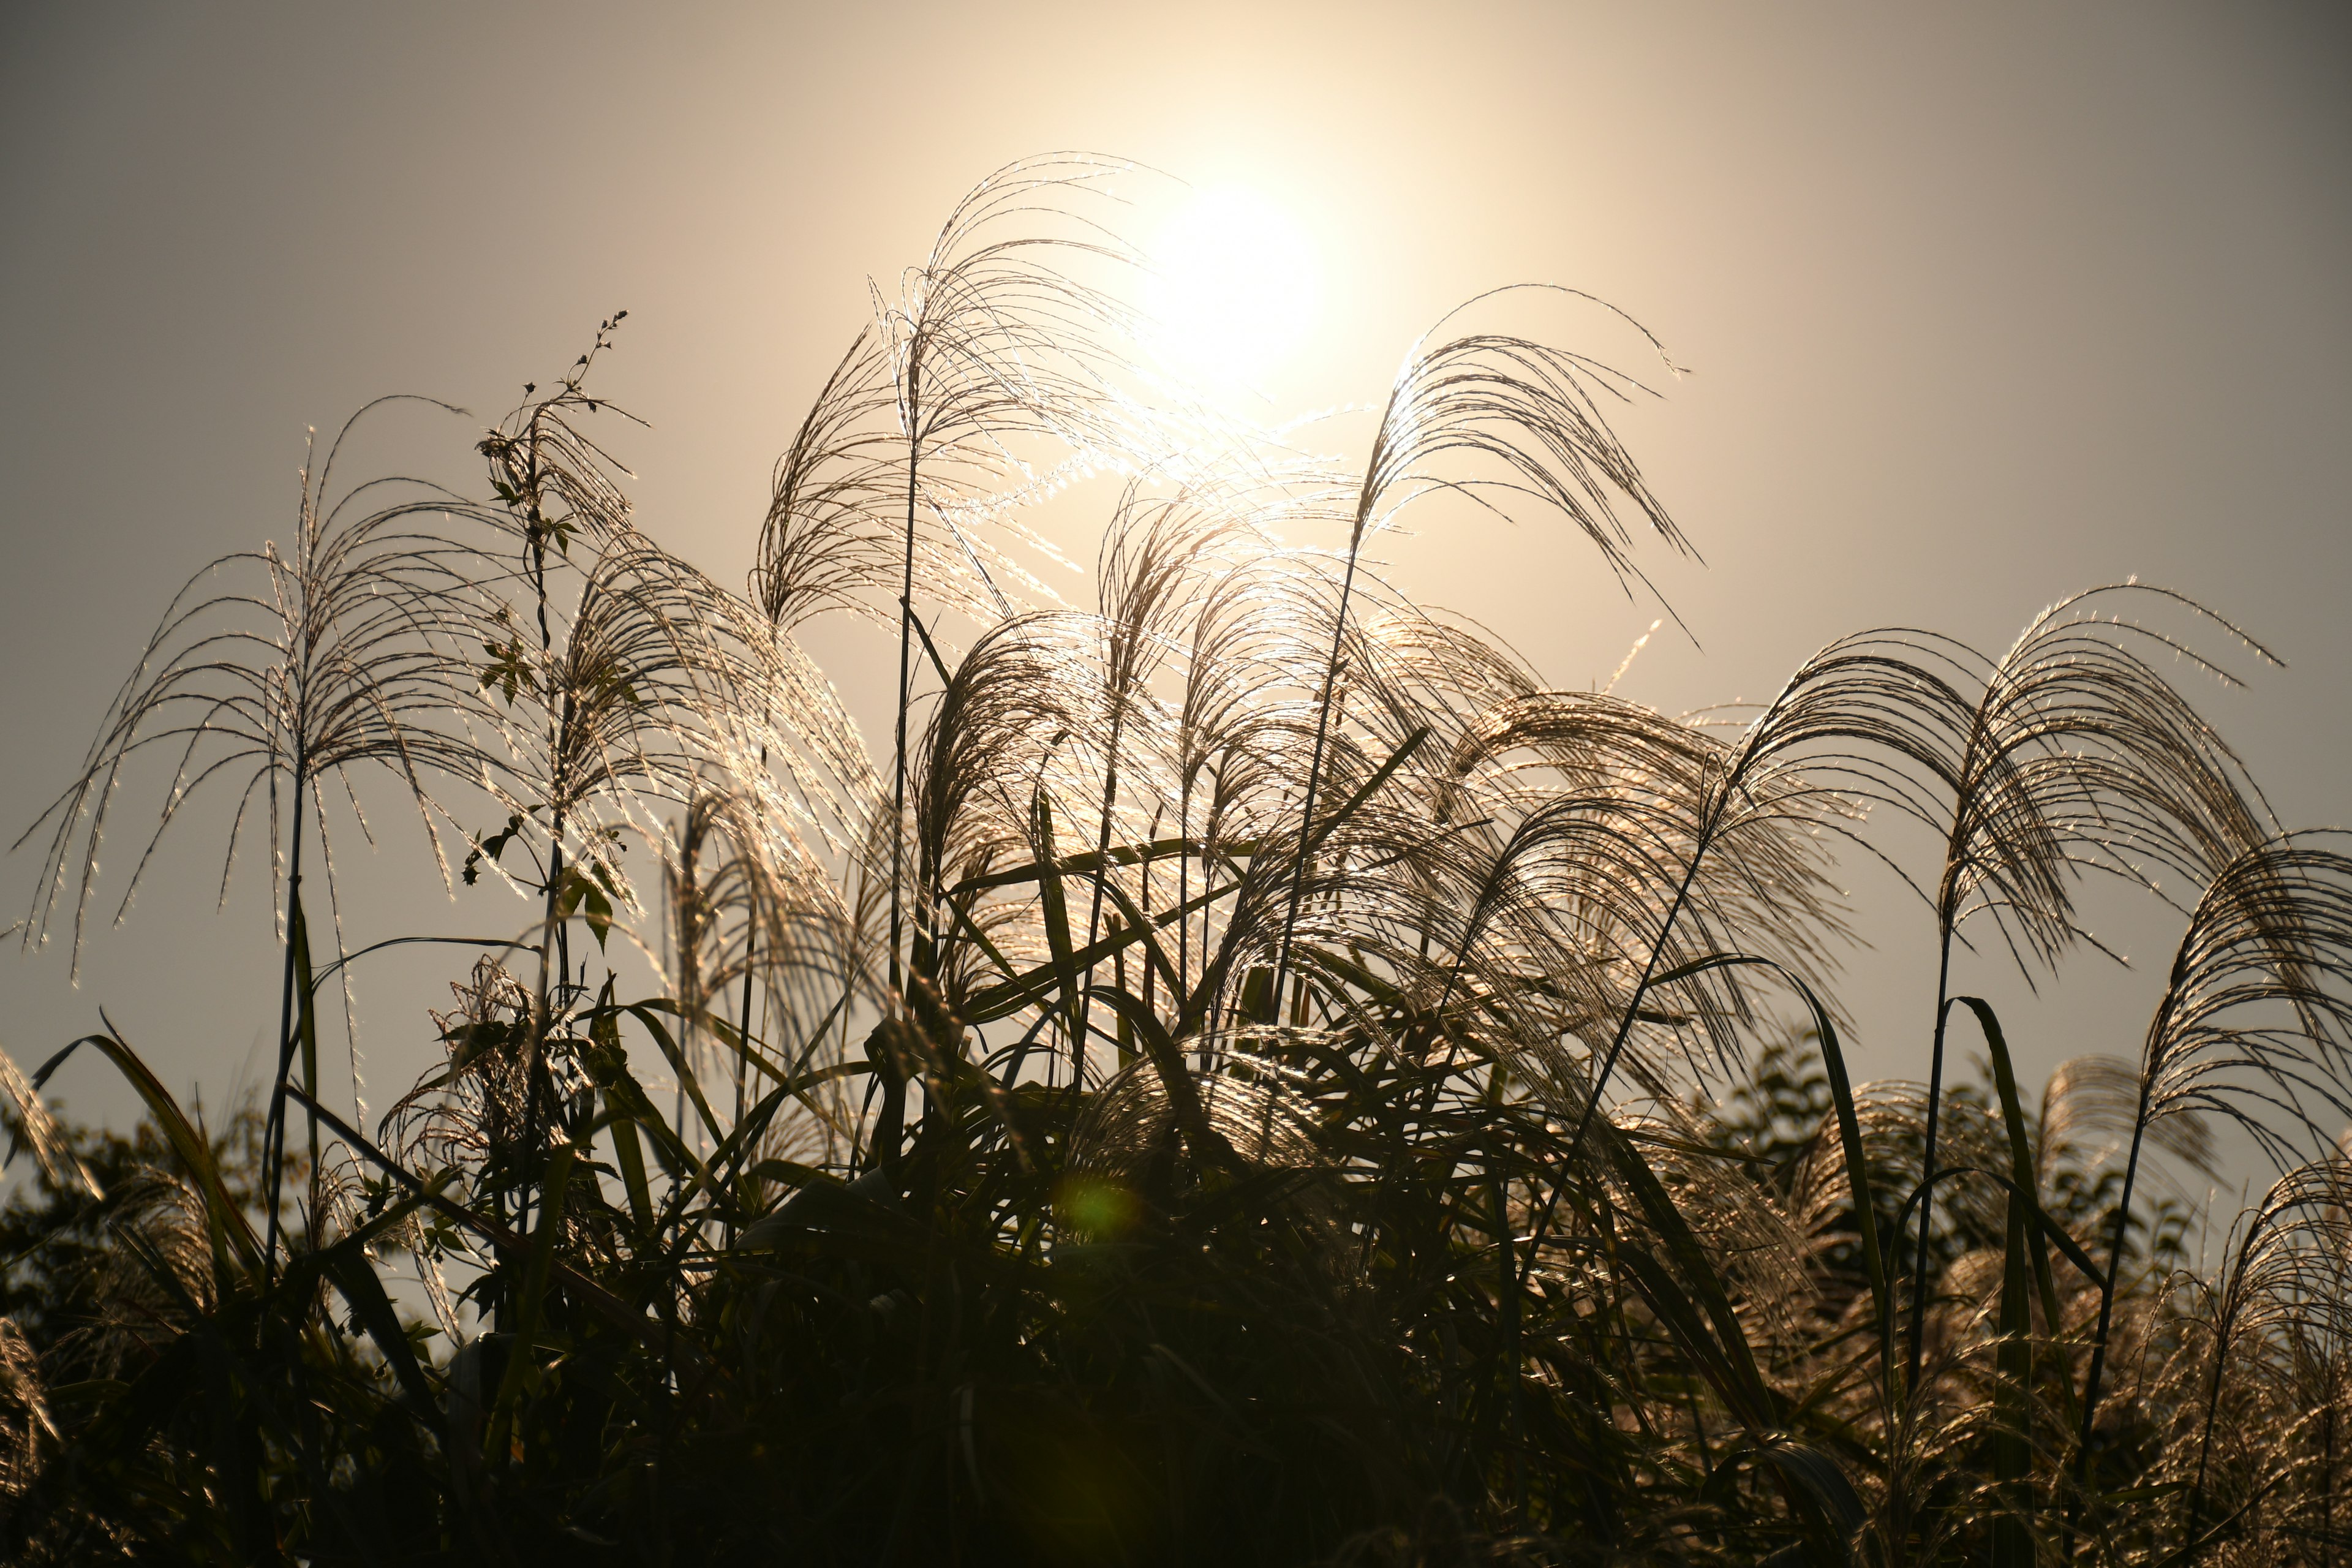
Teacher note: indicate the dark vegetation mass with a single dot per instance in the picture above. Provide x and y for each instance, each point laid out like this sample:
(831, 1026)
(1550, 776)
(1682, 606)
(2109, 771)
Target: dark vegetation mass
(1244, 1072)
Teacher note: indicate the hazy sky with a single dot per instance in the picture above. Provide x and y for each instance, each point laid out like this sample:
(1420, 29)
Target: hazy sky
(1981, 304)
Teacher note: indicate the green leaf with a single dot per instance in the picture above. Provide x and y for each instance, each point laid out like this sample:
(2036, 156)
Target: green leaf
(1821, 1481)
(1168, 1063)
(223, 1219)
(2020, 1154)
(583, 893)
(1010, 996)
(1694, 1274)
(306, 1018)
(2025, 1269)
(608, 1063)
(1066, 965)
(1857, 1164)
(599, 911)
(1092, 860)
(491, 846)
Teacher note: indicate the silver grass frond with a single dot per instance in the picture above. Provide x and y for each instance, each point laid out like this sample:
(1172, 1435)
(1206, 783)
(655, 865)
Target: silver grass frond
(299, 667)
(2255, 1024)
(32, 1126)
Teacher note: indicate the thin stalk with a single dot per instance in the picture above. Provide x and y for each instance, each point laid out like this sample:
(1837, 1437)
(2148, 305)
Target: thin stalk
(1947, 900)
(894, 1088)
(1471, 928)
(274, 1136)
(751, 954)
(1632, 1008)
(1208, 861)
(551, 946)
(2148, 1069)
(744, 1039)
(1928, 1167)
(540, 1021)
(906, 668)
(1102, 869)
(2108, 1296)
(2227, 1322)
(1314, 766)
(1143, 902)
(1183, 893)
(1616, 1046)
(2328, 1481)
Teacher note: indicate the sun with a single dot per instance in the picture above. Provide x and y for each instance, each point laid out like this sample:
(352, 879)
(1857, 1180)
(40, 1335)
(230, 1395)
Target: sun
(1235, 288)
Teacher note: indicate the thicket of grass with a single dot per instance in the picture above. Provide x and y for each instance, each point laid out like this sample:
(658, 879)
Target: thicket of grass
(1244, 1072)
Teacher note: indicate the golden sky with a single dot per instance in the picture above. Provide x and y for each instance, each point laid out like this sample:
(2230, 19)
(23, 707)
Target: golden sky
(1980, 304)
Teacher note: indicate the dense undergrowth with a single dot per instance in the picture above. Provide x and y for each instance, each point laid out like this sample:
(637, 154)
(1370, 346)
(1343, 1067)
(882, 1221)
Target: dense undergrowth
(1244, 1073)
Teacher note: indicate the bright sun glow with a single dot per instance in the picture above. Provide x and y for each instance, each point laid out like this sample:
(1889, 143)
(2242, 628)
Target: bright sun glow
(1237, 288)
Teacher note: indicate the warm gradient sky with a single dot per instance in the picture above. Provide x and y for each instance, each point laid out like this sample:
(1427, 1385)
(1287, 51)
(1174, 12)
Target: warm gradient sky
(1982, 303)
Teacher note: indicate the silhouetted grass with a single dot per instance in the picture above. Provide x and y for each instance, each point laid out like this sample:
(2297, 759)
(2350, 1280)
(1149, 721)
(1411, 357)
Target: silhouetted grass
(1257, 1076)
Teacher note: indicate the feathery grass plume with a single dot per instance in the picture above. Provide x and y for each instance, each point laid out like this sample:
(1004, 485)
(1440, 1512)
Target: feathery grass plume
(830, 540)
(642, 666)
(1655, 862)
(2071, 754)
(800, 768)
(1791, 776)
(1157, 553)
(1005, 365)
(2079, 757)
(721, 896)
(621, 710)
(2090, 1109)
(342, 655)
(466, 1110)
(634, 699)
(2254, 1027)
(31, 1126)
(1523, 422)
(2265, 1415)
(662, 681)
(165, 1282)
(1066, 702)
(796, 931)
(25, 1425)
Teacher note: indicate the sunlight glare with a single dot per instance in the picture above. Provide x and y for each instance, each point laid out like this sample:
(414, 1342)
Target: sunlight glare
(1236, 287)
